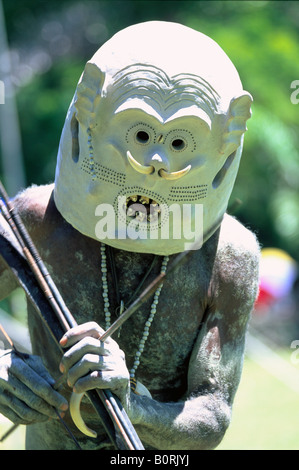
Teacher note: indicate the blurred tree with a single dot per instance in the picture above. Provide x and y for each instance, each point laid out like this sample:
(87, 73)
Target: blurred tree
(51, 41)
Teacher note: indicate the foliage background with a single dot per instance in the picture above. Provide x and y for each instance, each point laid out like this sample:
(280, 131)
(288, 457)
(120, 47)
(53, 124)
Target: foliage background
(51, 41)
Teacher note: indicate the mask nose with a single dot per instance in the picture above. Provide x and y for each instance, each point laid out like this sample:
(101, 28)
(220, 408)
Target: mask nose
(158, 161)
(156, 165)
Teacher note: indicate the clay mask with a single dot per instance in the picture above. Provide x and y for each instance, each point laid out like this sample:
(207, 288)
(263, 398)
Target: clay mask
(152, 140)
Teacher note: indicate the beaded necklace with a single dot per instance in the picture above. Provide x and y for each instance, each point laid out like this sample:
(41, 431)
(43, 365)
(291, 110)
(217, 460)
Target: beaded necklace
(153, 310)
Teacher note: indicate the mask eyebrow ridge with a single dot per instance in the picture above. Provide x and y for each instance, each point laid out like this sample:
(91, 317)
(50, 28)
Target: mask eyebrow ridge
(153, 84)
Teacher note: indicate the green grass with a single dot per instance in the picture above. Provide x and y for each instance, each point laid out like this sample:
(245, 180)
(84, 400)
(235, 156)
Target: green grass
(16, 440)
(265, 415)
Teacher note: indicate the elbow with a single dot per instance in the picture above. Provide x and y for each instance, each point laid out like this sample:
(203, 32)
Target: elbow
(214, 437)
(211, 431)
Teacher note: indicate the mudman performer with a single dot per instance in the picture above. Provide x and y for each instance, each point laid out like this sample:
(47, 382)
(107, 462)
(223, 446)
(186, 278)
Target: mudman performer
(146, 164)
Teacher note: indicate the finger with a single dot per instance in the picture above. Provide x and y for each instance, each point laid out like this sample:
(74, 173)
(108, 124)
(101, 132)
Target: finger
(36, 363)
(102, 380)
(42, 394)
(18, 413)
(22, 401)
(78, 332)
(87, 345)
(88, 364)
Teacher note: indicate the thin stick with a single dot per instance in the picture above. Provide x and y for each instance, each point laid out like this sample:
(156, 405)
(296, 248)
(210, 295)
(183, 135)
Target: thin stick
(8, 432)
(133, 307)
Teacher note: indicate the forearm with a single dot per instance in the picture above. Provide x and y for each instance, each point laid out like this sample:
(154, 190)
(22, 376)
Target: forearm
(196, 424)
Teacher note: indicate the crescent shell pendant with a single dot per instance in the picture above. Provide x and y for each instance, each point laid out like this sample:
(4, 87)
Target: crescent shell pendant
(75, 403)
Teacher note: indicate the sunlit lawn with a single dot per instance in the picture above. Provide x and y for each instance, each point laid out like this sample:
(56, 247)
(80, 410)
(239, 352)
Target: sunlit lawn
(16, 440)
(266, 416)
(266, 413)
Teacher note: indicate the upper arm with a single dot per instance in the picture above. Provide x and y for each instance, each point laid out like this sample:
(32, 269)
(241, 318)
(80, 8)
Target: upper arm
(30, 205)
(217, 358)
(8, 282)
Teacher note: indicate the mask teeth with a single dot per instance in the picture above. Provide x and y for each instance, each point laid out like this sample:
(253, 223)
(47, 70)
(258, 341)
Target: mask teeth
(132, 198)
(144, 200)
(151, 212)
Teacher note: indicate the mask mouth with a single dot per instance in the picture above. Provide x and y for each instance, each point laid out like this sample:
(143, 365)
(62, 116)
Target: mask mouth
(142, 208)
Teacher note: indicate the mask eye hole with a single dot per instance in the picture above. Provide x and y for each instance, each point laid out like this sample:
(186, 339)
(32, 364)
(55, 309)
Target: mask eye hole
(75, 138)
(141, 134)
(222, 172)
(142, 137)
(178, 144)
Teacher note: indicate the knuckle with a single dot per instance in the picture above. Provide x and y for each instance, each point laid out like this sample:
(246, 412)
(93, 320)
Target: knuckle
(88, 359)
(89, 342)
(23, 412)
(93, 326)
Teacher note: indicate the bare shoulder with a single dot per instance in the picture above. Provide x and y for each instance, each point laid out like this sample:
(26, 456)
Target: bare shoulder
(32, 204)
(33, 201)
(236, 240)
(237, 260)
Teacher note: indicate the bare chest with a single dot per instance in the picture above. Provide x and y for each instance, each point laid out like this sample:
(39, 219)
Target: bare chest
(75, 264)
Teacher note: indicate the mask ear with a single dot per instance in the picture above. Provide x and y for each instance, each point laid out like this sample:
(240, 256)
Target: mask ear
(88, 94)
(238, 114)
